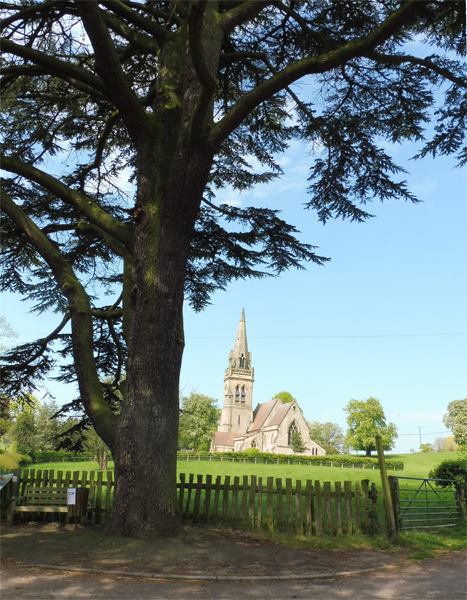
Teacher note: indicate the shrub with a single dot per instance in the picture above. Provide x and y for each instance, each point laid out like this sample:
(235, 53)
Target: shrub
(11, 460)
(451, 468)
(339, 460)
(38, 456)
(250, 452)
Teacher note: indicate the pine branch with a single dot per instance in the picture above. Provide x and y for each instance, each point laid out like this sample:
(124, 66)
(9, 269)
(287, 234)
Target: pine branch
(397, 60)
(110, 70)
(80, 311)
(70, 73)
(312, 65)
(90, 210)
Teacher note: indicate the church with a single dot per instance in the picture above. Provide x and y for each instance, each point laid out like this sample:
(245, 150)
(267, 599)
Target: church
(270, 426)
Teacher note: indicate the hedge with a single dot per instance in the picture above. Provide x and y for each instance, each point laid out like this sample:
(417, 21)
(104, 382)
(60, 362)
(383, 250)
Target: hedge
(357, 462)
(39, 456)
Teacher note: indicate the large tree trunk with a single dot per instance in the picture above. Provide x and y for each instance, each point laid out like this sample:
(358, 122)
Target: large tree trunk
(174, 162)
(145, 500)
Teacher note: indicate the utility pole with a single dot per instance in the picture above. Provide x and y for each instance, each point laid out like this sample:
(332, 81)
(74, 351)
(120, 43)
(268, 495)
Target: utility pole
(420, 434)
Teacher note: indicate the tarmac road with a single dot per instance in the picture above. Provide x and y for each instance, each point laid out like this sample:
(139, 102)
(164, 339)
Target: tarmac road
(443, 578)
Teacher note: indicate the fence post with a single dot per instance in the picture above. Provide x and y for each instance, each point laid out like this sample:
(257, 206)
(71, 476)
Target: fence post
(388, 508)
(396, 501)
(460, 493)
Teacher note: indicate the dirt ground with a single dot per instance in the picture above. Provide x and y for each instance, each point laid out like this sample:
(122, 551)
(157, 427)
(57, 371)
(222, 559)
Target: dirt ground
(195, 551)
(38, 563)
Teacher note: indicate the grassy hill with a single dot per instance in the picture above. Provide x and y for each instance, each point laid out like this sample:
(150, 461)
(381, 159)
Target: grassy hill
(416, 465)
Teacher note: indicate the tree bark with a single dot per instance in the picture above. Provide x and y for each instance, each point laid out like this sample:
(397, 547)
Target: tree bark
(145, 500)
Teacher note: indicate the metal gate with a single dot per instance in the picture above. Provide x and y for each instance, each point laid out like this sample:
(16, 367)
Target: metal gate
(420, 504)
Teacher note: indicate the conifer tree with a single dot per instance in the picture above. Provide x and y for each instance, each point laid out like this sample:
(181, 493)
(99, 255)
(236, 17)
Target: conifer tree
(176, 100)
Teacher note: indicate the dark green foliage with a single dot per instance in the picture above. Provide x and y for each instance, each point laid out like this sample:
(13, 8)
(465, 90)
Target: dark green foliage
(451, 468)
(183, 99)
(297, 444)
(38, 456)
(379, 95)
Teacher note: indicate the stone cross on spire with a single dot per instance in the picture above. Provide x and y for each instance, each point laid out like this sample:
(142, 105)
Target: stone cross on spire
(239, 357)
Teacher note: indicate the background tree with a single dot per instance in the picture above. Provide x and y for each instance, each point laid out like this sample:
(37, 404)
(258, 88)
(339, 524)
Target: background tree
(22, 428)
(185, 97)
(365, 419)
(446, 444)
(297, 443)
(456, 420)
(450, 444)
(198, 422)
(439, 443)
(286, 397)
(329, 436)
(96, 445)
(48, 427)
(426, 448)
(8, 335)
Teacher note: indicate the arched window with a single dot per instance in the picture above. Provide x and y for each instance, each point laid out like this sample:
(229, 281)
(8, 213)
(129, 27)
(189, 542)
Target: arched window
(241, 361)
(253, 443)
(243, 394)
(292, 429)
(237, 394)
(313, 451)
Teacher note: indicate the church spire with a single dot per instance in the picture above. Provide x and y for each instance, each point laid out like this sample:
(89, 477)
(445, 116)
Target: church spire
(239, 357)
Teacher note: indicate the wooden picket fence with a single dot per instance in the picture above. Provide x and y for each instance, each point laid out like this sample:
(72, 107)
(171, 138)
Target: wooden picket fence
(102, 480)
(308, 509)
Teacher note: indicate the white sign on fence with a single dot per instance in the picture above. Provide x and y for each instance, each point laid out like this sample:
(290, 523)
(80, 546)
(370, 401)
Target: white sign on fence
(71, 496)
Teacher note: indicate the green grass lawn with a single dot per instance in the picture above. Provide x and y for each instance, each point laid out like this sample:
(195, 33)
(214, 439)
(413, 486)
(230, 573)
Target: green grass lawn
(416, 465)
(414, 544)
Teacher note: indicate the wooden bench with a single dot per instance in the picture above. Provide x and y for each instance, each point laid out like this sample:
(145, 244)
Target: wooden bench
(49, 500)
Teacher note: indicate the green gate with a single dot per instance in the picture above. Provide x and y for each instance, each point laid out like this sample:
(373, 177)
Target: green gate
(420, 504)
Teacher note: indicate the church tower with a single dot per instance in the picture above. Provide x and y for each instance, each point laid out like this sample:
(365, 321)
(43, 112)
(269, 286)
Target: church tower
(237, 410)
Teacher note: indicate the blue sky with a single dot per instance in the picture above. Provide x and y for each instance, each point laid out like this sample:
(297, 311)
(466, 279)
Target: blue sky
(385, 318)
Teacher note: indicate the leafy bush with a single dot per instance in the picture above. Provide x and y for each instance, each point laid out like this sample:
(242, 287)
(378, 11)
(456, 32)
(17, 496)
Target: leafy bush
(11, 460)
(451, 468)
(250, 452)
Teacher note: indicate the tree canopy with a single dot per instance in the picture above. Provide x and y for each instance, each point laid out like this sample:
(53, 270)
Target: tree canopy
(456, 420)
(365, 419)
(297, 444)
(329, 436)
(122, 122)
(286, 397)
(198, 422)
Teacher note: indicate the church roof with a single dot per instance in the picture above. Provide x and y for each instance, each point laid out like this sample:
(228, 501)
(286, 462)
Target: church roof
(262, 414)
(266, 411)
(280, 413)
(224, 438)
